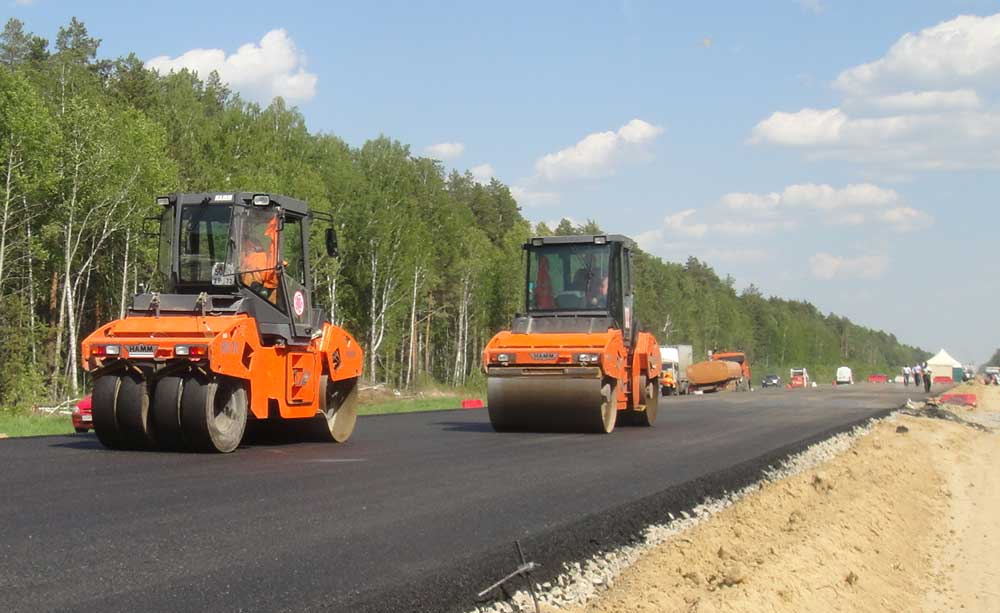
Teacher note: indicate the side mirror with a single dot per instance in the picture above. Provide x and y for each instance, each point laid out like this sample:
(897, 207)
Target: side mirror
(331, 243)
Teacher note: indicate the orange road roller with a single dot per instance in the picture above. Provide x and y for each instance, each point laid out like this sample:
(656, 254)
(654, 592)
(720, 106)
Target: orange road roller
(576, 361)
(233, 337)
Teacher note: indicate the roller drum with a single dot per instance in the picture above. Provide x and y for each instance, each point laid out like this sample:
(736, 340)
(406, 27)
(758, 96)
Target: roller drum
(546, 403)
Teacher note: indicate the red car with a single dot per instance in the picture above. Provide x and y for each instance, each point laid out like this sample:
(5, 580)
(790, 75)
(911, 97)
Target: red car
(83, 419)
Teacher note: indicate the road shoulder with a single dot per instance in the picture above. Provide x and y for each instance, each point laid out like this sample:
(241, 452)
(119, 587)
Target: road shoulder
(907, 519)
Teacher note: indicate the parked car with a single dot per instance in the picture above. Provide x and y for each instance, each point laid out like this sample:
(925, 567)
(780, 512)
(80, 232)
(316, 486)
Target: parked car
(771, 381)
(83, 419)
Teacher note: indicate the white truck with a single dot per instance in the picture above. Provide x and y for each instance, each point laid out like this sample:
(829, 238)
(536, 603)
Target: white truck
(675, 360)
(845, 376)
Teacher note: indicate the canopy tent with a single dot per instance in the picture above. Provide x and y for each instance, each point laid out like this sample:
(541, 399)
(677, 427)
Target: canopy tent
(943, 366)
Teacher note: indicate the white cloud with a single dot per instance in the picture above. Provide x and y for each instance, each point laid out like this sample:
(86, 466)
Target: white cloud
(805, 127)
(531, 198)
(906, 219)
(958, 99)
(811, 195)
(930, 103)
(597, 154)
(853, 204)
(962, 51)
(482, 173)
(678, 224)
(445, 151)
(813, 6)
(274, 67)
(24, 2)
(826, 197)
(826, 266)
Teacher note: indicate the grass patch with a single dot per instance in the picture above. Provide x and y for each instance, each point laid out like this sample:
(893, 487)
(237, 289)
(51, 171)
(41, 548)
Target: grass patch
(17, 423)
(410, 405)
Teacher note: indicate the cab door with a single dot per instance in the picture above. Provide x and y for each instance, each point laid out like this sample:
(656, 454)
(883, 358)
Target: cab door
(295, 275)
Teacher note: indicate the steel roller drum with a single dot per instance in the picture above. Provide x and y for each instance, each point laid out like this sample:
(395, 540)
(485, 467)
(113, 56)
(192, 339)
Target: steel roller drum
(550, 403)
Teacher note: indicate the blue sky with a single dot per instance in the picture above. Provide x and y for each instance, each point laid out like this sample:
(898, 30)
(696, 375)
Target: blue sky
(840, 152)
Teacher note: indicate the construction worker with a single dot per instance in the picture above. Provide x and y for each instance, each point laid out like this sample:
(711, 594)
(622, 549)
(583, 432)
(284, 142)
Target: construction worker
(599, 296)
(916, 375)
(260, 258)
(927, 378)
(907, 371)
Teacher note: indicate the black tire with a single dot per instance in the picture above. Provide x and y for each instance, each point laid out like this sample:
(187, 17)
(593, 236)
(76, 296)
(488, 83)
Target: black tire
(338, 409)
(81, 430)
(166, 411)
(214, 414)
(133, 414)
(104, 410)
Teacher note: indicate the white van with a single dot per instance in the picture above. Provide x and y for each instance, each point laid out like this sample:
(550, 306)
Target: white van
(845, 376)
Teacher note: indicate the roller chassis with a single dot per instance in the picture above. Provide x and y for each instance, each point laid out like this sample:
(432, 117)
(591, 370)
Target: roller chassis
(203, 403)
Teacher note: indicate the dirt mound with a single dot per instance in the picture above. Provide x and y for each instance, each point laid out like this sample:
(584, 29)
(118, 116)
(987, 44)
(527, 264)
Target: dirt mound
(907, 519)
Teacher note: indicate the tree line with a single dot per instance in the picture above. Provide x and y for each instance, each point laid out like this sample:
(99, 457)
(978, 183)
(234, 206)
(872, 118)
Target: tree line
(430, 264)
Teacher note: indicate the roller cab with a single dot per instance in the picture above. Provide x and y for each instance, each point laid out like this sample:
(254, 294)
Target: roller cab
(232, 337)
(575, 360)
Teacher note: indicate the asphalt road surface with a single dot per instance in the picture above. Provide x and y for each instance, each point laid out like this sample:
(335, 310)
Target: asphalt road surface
(415, 512)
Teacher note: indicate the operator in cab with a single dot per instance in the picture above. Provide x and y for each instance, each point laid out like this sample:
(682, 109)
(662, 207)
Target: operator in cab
(260, 257)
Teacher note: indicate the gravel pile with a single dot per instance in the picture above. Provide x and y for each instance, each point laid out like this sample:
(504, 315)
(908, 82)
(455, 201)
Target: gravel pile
(581, 581)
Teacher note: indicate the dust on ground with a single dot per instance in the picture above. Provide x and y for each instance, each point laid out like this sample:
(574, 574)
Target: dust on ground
(907, 520)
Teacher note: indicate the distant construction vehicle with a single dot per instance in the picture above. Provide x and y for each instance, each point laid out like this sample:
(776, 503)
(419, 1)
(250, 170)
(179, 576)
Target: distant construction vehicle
(576, 360)
(723, 370)
(674, 360)
(234, 336)
(798, 377)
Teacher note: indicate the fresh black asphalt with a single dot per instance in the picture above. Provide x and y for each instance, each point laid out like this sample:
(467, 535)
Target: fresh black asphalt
(417, 512)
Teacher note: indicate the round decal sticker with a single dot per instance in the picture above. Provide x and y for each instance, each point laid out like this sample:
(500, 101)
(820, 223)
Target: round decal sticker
(299, 303)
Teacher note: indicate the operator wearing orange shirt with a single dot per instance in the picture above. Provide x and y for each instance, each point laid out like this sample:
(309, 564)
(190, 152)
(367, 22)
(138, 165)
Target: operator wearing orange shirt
(260, 259)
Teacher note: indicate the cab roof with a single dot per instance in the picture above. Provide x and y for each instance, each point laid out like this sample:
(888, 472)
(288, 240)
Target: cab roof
(538, 241)
(237, 197)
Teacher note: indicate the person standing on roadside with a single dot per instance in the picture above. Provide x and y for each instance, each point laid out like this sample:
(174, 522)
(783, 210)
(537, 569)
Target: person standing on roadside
(926, 373)
(907, 371)
(916, 375)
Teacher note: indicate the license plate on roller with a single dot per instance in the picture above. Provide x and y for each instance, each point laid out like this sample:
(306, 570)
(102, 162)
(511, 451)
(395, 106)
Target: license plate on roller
(86, 418)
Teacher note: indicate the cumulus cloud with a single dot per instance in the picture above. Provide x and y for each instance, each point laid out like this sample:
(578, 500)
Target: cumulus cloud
(930, 103)
(532, 198)
(445, 151)
(826, 266)
(958, 99)
(597, 154)
(961, 51)
(905, 219)
(273, 67)
(482, 173)
(813, 6)
(853, 204)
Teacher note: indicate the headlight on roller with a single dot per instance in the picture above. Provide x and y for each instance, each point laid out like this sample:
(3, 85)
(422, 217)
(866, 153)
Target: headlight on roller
(504, 358)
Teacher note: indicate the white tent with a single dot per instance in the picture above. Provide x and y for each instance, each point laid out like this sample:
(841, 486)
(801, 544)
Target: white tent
(942, 364)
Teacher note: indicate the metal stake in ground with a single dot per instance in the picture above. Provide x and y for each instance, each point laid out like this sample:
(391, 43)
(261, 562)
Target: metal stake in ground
(524, 570)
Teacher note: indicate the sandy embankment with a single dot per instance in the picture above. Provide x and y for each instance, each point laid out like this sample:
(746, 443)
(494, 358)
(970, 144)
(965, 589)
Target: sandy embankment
(907, 520)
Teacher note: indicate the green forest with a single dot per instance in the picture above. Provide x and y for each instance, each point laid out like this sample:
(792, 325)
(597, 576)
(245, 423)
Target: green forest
(430, 260)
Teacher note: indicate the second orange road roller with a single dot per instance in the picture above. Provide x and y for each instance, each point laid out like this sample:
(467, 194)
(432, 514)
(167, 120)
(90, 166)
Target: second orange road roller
(576, 360)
